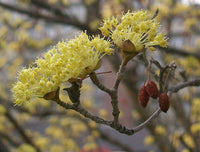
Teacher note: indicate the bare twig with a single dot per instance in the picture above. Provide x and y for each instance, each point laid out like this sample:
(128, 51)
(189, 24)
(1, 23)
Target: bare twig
(21, 131)
(114, 93)
(180, 52)
(3, 147)
(95, 80)
(145, 123)
(51, 8)
(111, 140)
(50, 18)
(120, 74)
(120, 128)
(9, 139)
(83, 112)
(185, 84)
(155, 14)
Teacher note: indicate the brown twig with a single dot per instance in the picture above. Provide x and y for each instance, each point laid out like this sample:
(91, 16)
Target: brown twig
(120, 74)
(21, 131)
(185, 84)
(50, 18)
(120, 128)
(50, 8)
(3, 147)
(83, 112)
(180, 52)
(111, 140)
(145, 123)
(95, 80)
(114, 93)
(9, 139)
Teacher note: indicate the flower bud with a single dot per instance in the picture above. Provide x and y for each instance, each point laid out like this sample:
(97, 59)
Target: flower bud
(143, 96)
(50, 95)
(128, 46)
(164, 102)
(128, 51)
(152, 89)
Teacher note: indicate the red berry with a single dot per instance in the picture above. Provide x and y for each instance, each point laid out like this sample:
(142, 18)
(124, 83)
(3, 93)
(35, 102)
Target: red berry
(143, 96)
(164, 102)
(152, 89)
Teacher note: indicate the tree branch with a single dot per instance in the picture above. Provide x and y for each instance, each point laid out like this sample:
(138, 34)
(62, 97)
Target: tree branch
(49, 18)
(185, 84)
(172, 50)
(9, 139)
(52, 8)
(21, 131)
(120, 128)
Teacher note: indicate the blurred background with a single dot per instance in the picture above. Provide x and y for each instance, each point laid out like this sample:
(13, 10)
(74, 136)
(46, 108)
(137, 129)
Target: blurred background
(28, 28)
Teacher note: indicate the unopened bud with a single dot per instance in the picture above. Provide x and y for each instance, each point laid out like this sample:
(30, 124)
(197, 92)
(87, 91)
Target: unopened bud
(128, 46)
(128, 51)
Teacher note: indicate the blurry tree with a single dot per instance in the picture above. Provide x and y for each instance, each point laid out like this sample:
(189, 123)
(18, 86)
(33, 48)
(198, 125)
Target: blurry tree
(28, 27)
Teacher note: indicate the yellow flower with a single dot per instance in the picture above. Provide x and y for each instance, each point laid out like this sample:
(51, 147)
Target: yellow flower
(175, 139)
(195, 109)
(185, 150)
(90, 146)
(2, 109)
(160, 130)
(25, 148)
(138, 27)
(103, 113)
(188, 140)
(75, 58)
(195, 128)
(149, 140)
(135, 115)
(56, 148)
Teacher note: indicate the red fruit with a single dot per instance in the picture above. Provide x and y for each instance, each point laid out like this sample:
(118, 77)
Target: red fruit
(164, 102)
(143, 96)
(152, 89)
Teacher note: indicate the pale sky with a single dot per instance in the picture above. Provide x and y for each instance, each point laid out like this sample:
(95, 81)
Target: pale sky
(191, 1)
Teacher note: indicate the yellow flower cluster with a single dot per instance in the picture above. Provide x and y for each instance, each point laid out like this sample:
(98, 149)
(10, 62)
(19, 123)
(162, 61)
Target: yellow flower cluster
(139, 27)
(195, 109)
(160, 130)
(75, 58)
(188, 141)
(149, 140)
(25, 147)
(195, 128)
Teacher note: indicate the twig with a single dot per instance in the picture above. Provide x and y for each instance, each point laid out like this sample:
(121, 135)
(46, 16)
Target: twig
(83, 112)
(9, 139)
(114, 92)
(51, 8)
(120, 74)
(111, 140)
(115, 107)
(120, 128)
(155, 14)
(145, 123)
(95, 80)
(185, 84)
(3, 147)
(180, 52)
(103, 135)
(37, 15)
(21, 131)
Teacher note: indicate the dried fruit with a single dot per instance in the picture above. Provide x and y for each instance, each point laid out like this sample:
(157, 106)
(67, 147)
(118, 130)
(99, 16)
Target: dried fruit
(164, 102)
(152, 89)
(143, 96)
